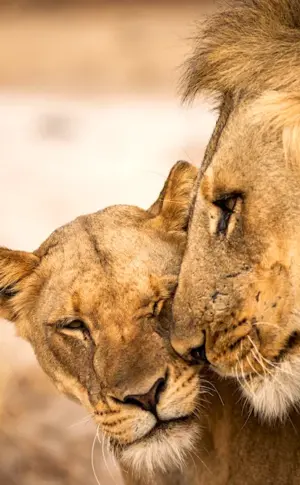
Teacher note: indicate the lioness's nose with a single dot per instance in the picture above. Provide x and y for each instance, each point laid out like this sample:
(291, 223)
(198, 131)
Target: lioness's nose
(147, 401)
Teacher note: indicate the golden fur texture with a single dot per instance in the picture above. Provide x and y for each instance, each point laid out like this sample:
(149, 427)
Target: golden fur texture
(235, 448)
(95, 303)
(248, 45)
(239, 286)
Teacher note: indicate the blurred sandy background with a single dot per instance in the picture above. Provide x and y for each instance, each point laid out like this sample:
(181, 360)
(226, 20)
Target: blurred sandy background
(89, 116)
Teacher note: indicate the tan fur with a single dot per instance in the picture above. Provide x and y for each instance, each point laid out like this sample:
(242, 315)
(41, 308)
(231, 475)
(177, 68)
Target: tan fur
(108, 269)
(280, 111)
(116, 271)
(240, 286)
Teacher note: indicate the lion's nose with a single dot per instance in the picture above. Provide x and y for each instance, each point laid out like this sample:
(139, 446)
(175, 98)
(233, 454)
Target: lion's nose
(147, 401)
(187, 335)
(191, 350)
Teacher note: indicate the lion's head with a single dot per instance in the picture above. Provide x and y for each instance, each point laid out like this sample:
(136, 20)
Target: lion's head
(94, 301)
(239, 288)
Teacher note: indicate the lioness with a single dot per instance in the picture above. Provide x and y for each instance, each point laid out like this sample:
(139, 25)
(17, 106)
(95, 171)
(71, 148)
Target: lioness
(239, 288)
(95, 303)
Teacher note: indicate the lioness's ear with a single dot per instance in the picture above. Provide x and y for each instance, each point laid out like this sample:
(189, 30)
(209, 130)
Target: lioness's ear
(15, 266)
(172, 207)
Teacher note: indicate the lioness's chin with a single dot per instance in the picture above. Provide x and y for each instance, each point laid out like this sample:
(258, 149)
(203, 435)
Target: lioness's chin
(166, 447)
(273, 395)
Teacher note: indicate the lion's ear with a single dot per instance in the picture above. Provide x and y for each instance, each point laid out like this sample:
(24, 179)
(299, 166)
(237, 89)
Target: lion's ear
(171, 209)
(15, 266)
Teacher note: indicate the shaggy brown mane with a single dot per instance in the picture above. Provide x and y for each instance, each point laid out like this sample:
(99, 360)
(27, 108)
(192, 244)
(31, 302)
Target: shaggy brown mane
(247, 45)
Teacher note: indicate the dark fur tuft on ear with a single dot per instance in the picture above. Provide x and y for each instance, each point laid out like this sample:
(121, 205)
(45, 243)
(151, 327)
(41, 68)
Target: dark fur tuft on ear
(247, 45)
(15, 266)
(172, 207)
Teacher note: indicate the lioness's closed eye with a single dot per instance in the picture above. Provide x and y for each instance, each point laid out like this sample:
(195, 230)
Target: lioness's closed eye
(94, 302)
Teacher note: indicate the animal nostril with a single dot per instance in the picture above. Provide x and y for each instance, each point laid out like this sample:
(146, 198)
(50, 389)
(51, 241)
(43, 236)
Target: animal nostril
(180, 347)
(191, 349)
(198, 354)
(161, 386)
(148, 401)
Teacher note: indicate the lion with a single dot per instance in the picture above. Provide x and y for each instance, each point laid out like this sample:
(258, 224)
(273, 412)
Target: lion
(239, 286)
(95, 302)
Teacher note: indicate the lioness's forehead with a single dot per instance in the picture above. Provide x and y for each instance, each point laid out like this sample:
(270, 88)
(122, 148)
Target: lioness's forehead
(97, 259)
(116, 237)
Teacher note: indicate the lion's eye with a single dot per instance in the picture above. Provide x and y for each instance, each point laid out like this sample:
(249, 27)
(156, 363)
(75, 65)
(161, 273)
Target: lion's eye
(76, 328)
(155, 309)
(75, 325)
(227, 206)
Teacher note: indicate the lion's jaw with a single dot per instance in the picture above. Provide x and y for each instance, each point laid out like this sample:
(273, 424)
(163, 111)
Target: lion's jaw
(275, 394)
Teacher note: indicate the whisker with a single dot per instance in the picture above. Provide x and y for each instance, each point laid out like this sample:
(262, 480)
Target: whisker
(205, 391)
(267, 324)
(261, 359)
(92, 457)
(293, 426)
(252, 367)
(248, 417)
(245, 382)
(237, 374)
(81, 421)
(192, 458)
(203, 462)
(187, 155)
(260, 362)
(273, 376)
(155, 173)
(214, 389)
(104, 456)
(277, 367)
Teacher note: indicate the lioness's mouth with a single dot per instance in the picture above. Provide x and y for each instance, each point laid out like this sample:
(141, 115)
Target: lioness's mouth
(166, 445)
(162, 426)
(161, 429)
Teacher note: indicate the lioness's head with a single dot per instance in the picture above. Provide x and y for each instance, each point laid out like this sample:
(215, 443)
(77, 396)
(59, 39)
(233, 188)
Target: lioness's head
(94, 301)
(239, 288)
